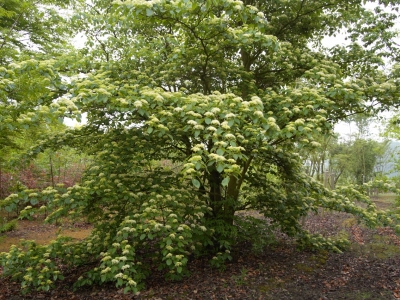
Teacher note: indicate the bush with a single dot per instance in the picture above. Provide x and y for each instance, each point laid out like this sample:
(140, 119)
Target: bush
(9, 226)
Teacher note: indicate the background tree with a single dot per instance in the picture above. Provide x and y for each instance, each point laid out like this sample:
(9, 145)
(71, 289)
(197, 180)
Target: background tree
(32, 27)
(228, 91)
(364, 157)
(392, 133)
(33, 39)
(341, 161)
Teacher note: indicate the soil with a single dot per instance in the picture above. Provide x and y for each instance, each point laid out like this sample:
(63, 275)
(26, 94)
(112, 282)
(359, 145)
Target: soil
(42, 232)
(369, 269)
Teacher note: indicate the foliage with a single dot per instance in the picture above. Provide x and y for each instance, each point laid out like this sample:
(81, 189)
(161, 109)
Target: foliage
(256, 231)
(356, 158)
(26, 102)
(24, 202)
(48, 168)
(8, 226)
(392, 132)
(33, 36)
(31, 26)
(39, 272)
(358, 161)
(315, 159)
(364, 158)
(228, 93)
(5, 184)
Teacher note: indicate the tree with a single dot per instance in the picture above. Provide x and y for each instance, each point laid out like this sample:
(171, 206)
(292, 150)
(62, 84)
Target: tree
(392, 132)
(33, 37)
(315, 160)
(365, 154)
(30, 27)
(33, 33)
(356, 161)
(226, 92)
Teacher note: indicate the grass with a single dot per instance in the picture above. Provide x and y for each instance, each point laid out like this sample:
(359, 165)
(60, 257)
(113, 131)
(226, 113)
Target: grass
(270, 284)
(363, 295)
(242, 278)
(378, 247)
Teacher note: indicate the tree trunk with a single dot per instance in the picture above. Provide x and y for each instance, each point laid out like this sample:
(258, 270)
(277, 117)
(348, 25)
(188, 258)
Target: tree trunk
(1, 182)
(223, 207)
(215, 193)
(232, 194)
(51, 171)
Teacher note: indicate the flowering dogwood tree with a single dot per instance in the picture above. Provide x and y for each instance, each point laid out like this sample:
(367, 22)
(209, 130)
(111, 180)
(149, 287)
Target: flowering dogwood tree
(196, 110)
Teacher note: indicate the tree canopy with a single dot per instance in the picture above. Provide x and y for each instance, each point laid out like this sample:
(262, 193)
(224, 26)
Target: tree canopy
(198, 109)
(33, 36)
(31, 26)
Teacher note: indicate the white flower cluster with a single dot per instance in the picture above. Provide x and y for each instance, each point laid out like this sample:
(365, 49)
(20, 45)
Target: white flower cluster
(198, 147)
(216, 157)
(230, 116)
(230, 136)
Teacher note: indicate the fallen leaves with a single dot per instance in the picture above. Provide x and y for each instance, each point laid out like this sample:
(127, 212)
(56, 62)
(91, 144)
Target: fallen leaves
(389, 232)
(357, 234)
(396, 291)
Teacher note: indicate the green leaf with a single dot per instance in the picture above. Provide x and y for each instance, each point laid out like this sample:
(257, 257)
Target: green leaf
(196, 183)
(169, 261)
(149, 130)
(143, 236)
(225, 182)
(149, 12)
(220, 167)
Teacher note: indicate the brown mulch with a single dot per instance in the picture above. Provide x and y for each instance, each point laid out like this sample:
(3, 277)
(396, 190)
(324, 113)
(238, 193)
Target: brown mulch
(280, 272)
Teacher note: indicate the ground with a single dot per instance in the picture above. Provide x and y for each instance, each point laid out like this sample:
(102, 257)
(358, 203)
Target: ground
(369, 269)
